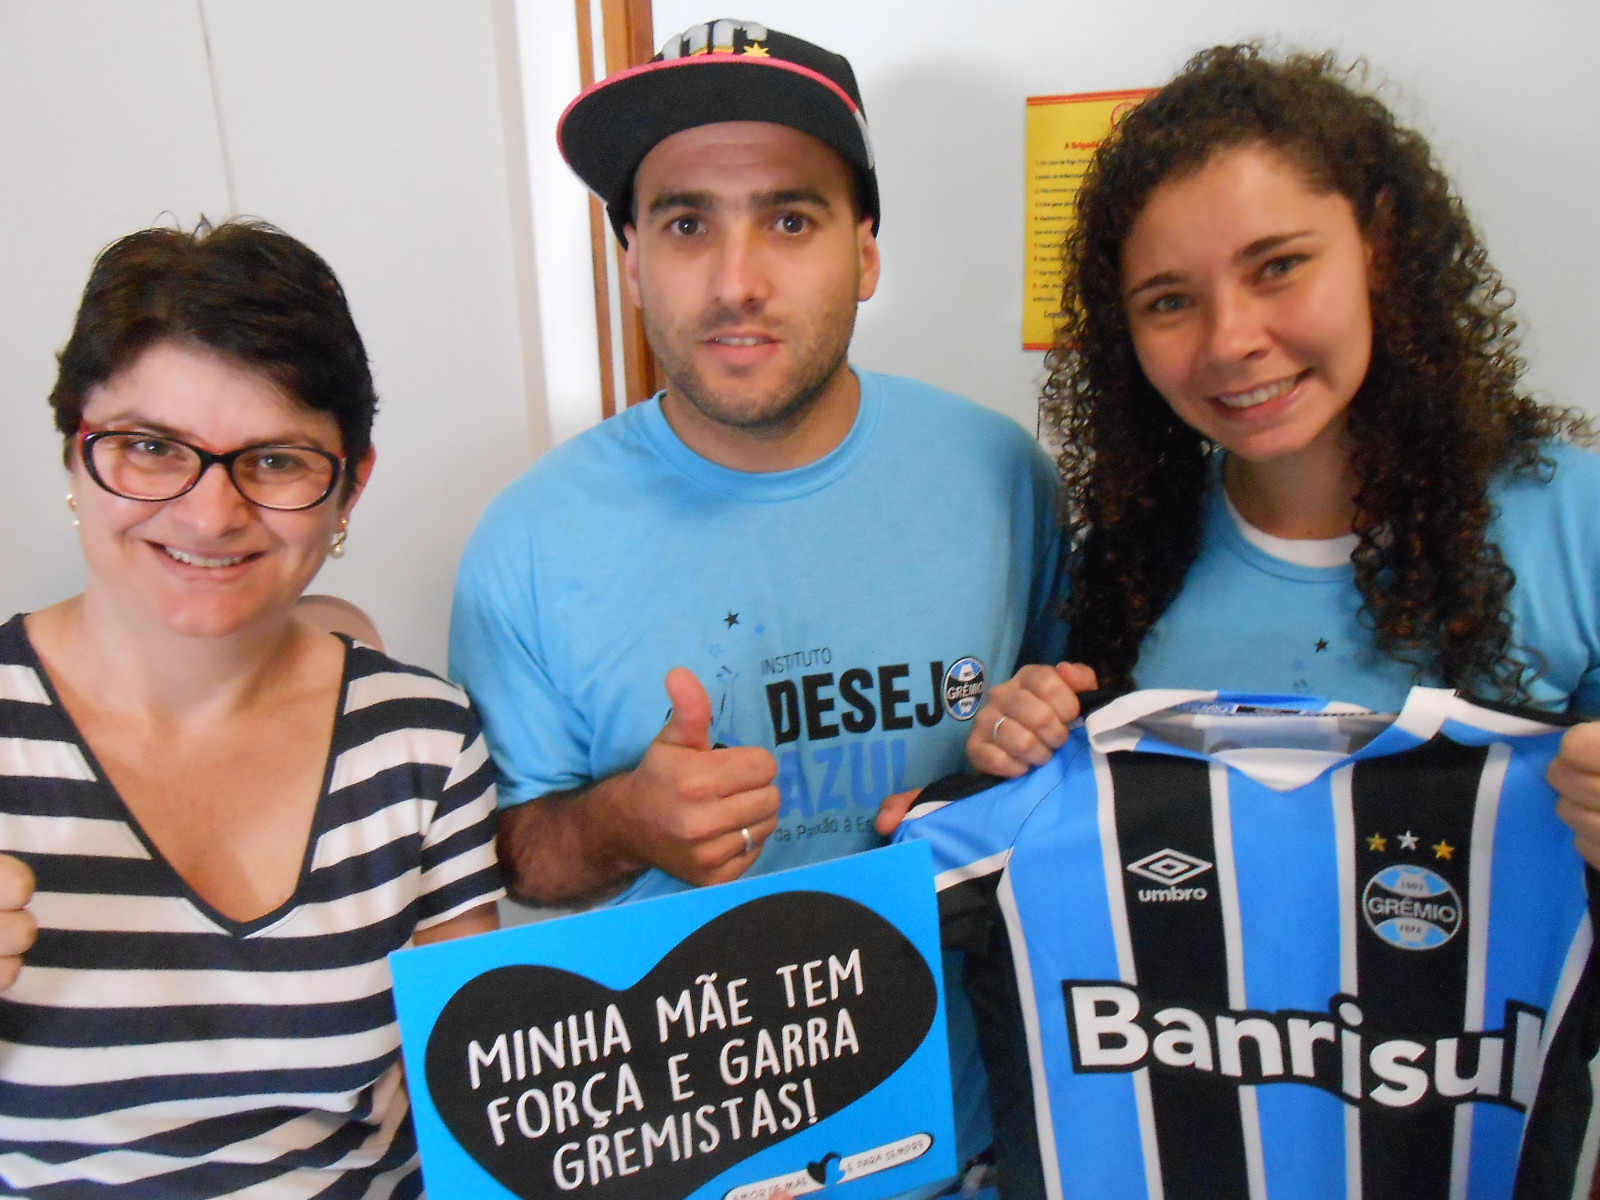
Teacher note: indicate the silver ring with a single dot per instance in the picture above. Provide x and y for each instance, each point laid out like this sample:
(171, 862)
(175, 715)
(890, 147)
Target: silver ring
(749, 842)
(994, 734)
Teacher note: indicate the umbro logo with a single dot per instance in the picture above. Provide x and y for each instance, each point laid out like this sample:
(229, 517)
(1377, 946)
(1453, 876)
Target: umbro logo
(1169, 867)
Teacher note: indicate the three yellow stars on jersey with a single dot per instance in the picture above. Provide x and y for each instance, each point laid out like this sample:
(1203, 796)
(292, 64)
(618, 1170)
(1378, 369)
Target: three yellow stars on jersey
(1408, 841)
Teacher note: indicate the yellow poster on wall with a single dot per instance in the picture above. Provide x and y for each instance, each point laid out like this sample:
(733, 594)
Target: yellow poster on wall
(1063, 134)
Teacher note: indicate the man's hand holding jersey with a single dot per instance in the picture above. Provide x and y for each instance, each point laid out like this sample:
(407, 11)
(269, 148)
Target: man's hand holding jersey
(698, 812)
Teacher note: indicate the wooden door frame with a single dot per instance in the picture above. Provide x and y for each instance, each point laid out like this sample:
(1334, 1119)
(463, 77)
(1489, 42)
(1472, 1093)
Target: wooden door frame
(628, 39)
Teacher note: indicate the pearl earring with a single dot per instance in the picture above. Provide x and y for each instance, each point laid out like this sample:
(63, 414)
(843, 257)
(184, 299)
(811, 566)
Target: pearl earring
(336, 546)
(72, 503)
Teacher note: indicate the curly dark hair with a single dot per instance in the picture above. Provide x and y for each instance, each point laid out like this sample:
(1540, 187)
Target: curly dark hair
(243, 288)
(1444, 375)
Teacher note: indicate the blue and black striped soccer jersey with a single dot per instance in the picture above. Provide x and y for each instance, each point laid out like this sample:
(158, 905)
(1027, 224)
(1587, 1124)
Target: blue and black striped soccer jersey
(1227, 945)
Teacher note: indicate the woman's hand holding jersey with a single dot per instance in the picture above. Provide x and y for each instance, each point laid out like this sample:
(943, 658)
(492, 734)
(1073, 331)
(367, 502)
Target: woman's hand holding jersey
(1025, 720)
(1576, 775)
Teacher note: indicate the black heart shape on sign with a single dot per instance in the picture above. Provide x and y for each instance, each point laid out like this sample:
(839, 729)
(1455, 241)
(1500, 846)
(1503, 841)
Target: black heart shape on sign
(834, 1000)
(819, 1170)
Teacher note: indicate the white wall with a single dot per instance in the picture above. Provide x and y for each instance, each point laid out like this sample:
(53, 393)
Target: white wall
(1508, 94)
(82, 165)
(387, 134)
(396, 137)
(547, 40)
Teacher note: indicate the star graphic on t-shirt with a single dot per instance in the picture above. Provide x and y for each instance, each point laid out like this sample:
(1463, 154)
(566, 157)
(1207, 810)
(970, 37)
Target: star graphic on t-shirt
(1377, 842)
(1322, 644)
(1408, 840)
(1443, 849)
(732, 619)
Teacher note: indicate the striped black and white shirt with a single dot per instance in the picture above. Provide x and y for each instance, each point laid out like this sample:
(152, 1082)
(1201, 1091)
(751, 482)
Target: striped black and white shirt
(1252, 946)
(153, 1045)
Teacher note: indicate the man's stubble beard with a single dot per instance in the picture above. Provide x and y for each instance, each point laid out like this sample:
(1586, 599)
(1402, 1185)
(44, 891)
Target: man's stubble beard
(817, 360)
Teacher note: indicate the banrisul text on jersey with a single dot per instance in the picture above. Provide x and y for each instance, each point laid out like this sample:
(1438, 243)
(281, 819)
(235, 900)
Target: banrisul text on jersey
(1115, 1027)
(1264, 946)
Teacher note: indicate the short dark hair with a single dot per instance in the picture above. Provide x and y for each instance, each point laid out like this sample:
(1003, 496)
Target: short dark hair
(244, 289)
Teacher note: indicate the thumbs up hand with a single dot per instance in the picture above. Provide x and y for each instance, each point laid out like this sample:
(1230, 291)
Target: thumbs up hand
(689, 726)
(696, 812)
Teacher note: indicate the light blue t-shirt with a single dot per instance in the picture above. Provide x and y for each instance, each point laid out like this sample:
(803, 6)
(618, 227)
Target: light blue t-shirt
(1247, 620)
(845, 615)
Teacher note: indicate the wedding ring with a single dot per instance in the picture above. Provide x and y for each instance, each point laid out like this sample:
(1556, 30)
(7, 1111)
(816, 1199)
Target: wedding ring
(994, 734)
(749, 842)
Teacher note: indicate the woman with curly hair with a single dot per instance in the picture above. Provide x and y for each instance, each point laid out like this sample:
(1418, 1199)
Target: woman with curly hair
(1296, 451)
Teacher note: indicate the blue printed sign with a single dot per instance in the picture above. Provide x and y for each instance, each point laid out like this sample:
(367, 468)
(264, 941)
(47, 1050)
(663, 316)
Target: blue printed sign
(782, 1033)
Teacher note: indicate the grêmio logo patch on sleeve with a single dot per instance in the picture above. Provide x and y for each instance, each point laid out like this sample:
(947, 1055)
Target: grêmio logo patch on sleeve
(781, 1033)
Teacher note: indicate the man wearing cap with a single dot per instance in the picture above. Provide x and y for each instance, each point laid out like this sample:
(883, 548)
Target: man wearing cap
(824, 565)
(839, 559)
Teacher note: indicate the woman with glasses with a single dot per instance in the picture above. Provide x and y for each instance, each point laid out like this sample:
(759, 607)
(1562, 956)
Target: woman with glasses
(232, 816)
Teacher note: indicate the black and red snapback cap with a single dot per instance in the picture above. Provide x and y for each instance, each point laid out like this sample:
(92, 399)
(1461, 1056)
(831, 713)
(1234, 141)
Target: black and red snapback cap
(723, 70)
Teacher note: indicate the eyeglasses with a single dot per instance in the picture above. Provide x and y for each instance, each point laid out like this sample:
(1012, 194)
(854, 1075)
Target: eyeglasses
(147, 466)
